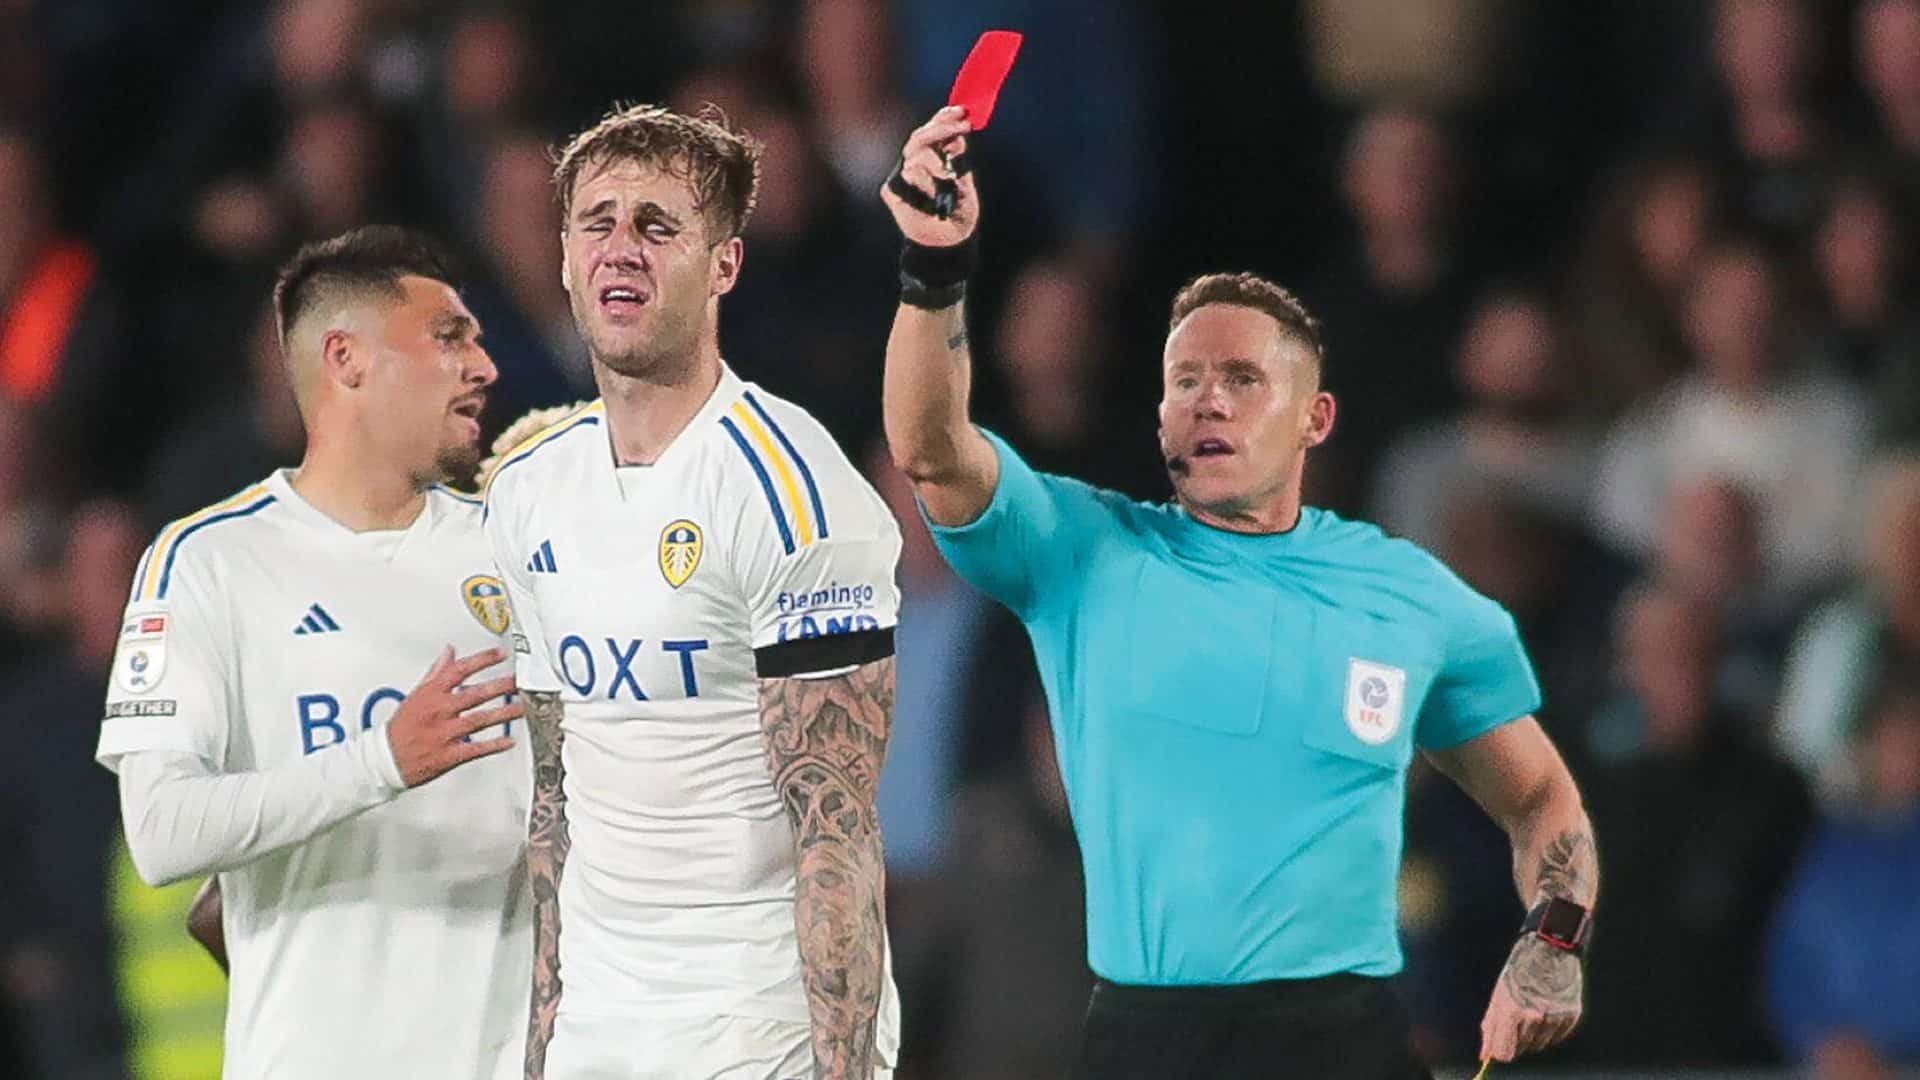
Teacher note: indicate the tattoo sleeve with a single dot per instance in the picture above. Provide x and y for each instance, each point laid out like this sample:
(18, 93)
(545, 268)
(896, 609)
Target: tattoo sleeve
(1568, 867)
(1556, 858)
(826, 739)
(547, 845)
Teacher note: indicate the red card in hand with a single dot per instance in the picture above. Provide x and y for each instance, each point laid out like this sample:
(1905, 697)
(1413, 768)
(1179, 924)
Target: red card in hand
(977, 86)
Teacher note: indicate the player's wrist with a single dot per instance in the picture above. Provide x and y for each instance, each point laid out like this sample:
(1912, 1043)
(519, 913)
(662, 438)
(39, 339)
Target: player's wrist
(380, 763)
(1560, 923)
(934, 278)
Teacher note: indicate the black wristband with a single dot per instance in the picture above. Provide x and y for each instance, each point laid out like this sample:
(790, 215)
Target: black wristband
(935, 278)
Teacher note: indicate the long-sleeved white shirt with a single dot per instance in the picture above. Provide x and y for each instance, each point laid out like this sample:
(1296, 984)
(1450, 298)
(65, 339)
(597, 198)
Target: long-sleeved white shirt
(186, 819)
(372, 931)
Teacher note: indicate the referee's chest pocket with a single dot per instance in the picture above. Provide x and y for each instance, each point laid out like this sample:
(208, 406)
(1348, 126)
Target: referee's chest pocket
(1365, 706)
(1198, 649)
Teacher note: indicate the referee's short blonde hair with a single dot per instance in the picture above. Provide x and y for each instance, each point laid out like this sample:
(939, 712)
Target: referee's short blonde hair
(1250, 291)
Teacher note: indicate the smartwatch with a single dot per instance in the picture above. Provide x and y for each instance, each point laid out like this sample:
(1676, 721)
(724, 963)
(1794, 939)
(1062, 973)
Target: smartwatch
(1562, 924)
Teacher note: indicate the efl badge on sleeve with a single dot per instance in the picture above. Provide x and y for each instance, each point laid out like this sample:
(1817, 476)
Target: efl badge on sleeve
(680, 544)
(487, 599)
(1376, 700)
(142, 654)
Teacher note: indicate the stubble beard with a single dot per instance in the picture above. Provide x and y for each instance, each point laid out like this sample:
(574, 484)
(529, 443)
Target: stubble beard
(452, 465)
(456, 461)
(665, 357)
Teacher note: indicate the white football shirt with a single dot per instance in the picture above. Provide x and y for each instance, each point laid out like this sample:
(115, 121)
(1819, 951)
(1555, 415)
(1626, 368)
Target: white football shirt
(640, 595)
(399, 942)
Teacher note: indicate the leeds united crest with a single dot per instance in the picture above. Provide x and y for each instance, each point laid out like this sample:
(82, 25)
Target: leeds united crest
(488, 601)
(680, 544)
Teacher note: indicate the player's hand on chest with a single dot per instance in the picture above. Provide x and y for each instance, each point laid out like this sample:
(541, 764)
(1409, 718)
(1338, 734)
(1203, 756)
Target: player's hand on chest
(331, 651)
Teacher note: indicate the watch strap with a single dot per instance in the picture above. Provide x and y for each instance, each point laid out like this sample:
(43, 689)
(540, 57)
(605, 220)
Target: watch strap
(1561, 923)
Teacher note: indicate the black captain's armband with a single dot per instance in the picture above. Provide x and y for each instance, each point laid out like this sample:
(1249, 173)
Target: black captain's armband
(804, 656)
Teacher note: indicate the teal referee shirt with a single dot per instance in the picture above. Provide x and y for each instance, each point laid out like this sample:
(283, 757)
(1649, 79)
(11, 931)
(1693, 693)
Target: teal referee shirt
(1234, 716)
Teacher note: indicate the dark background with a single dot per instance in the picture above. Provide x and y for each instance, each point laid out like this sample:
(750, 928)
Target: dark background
(1618, 304)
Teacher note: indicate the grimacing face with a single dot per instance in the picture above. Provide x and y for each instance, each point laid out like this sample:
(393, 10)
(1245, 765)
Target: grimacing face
(1240, 405)
(427, 379)
(640, 268)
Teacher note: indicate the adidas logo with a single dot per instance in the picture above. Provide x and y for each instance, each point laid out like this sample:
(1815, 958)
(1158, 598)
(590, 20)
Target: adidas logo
(542, 561)
(317, 621)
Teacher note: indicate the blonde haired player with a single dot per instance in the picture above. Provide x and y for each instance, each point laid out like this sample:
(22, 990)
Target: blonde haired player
(704, 594)
(269, 722)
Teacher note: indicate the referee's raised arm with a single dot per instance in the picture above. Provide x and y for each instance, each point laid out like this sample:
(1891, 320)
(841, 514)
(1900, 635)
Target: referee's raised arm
(929, 371)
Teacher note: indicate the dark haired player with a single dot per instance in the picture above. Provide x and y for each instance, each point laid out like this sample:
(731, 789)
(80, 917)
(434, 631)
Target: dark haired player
(268, 718)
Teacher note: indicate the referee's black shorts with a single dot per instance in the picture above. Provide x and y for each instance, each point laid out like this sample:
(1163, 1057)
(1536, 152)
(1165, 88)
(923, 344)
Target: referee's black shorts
(1340, 1027)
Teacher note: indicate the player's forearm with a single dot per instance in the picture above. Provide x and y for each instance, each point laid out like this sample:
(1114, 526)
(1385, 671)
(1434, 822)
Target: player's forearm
(548, 843)
(183, 819)
(826, 741)
(925, 393)
(840, 913)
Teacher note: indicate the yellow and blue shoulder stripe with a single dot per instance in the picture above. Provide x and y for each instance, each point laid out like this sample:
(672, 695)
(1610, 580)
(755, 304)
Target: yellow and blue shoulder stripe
(156, 570)
(774, 457)
(585, 416)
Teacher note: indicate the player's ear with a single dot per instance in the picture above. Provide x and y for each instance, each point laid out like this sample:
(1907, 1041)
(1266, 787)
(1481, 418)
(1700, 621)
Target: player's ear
(566, 286)
(1319, 420)
(727, 257)
(341, 360)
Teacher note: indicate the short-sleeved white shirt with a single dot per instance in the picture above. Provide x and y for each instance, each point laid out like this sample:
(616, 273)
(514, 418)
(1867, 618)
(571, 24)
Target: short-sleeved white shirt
(397, 943)
(640, 595)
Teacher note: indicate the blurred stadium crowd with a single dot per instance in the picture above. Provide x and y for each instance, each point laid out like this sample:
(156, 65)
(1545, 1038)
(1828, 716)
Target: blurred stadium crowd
(1620, 306)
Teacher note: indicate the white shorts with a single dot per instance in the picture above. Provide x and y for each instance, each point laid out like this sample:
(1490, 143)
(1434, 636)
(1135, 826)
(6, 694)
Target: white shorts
(715, 1048)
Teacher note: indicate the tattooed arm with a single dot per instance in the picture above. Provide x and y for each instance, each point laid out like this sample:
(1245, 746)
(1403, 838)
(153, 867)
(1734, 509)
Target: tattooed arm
(826, 739)
(1517, 776)
(547, 845)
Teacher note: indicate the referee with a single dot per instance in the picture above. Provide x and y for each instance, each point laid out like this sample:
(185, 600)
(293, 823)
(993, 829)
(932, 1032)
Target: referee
(1238, 684)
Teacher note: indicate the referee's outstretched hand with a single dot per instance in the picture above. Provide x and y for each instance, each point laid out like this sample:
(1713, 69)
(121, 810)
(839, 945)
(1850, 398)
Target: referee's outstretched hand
(1536, 1002)
(429, 732)
(933, 154)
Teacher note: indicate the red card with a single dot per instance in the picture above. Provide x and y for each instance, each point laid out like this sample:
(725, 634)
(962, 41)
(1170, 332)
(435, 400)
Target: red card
(977, 86)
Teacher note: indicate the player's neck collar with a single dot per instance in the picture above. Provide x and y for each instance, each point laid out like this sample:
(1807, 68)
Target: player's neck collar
(281, 484)
(725, 391)
(1301, 524)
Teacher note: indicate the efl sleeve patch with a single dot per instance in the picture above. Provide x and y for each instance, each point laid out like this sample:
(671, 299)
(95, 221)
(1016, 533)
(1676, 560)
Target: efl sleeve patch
(141, 657)
(169, 681)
